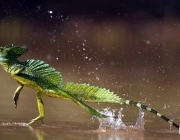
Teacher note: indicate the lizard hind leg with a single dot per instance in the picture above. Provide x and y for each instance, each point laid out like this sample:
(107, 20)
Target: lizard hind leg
(83, 105)
(40, 108)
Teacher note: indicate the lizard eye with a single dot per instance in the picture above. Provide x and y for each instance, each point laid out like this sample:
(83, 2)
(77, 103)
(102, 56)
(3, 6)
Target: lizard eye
(1, 49)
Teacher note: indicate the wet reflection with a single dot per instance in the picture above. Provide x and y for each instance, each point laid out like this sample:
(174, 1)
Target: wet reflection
(115, 135)
(39, 133)
(72, 130)
(109, 134)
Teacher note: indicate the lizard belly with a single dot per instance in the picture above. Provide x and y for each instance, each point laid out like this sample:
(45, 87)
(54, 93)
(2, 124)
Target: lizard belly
(27, 82)
(35, 86)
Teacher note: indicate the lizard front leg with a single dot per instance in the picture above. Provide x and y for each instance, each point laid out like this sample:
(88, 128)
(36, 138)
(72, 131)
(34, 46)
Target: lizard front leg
(16, 94)
(40, 108)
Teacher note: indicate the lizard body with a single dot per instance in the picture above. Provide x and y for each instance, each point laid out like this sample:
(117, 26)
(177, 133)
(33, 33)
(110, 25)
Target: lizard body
(48, 82)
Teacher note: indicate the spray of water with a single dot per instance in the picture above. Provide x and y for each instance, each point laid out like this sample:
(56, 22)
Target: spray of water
(113, 123)
(13, 124)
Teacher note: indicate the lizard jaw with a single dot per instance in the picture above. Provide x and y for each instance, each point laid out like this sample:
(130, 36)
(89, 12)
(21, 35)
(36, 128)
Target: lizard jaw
(3, 59)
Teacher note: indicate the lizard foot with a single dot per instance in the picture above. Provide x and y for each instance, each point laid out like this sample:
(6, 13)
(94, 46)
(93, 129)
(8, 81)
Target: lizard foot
(15, 101)
(36, 119)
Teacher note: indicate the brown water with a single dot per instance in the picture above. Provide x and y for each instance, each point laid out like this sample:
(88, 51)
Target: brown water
(136, 58)
(66, 120)
(79, 130)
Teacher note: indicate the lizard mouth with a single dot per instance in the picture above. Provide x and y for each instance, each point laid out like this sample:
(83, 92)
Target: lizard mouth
(3, 59)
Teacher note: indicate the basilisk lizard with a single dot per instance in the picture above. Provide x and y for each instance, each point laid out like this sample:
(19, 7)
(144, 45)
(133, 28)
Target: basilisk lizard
(47, 81)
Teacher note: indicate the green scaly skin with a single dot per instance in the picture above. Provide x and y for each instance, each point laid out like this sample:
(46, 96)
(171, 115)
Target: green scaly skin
(48, 82)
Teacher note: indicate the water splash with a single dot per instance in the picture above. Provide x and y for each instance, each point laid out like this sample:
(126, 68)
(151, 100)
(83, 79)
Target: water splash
(139, 123)
(111, 122)
(13, 124)
(116, 123)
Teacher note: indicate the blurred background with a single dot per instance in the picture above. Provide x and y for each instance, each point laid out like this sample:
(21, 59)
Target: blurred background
(130, 47)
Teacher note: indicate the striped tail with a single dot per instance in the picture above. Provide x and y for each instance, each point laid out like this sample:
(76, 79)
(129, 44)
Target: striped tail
(80, 93)
(133, 103)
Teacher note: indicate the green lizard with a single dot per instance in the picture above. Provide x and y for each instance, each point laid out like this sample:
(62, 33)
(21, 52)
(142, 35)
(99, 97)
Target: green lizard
(47, 82)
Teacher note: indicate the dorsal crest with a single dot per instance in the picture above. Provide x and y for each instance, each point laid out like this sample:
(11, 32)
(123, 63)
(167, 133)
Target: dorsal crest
(43, 71)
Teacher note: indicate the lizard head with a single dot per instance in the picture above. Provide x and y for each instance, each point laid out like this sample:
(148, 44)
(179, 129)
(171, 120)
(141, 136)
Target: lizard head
(10, 52)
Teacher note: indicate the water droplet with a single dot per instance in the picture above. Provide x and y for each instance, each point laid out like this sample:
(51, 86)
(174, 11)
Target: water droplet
(97, 78)
(112, 63)
(49, 57)
(39, 7)
(50, 12)
(148, 42)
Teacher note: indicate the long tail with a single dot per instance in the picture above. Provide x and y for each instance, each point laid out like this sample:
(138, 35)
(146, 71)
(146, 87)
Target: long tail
(80, 93)
(137, 104)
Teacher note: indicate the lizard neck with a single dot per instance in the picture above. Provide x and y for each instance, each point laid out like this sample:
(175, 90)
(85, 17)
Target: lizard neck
(7, 64)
